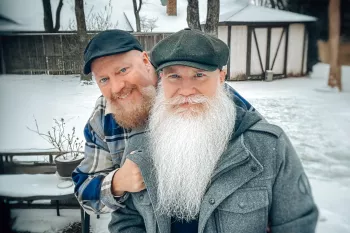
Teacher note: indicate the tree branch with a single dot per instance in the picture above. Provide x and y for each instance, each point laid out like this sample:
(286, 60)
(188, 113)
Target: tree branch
(140, 5)
(58, 16)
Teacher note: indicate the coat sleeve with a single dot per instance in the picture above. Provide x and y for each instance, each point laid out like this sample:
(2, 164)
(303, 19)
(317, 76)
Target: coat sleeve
(293, 208)
(127, 220)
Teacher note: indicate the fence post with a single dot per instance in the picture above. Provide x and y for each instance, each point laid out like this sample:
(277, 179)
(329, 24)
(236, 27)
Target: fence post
(51, 158)
(2, 57)
(62, 54)
(2, 169)
(46, 59)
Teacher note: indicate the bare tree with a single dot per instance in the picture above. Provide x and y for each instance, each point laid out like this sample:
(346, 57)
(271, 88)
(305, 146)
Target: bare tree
(48, 21)
(213, 12)
(82, 34)
(96, 21)
(152, 23)
(148, 24)
(137, 9)
(193, 15)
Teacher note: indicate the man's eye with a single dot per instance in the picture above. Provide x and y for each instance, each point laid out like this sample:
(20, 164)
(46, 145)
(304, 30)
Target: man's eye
(199, 75)
(123, 70)
(174, 76)
(103, 80)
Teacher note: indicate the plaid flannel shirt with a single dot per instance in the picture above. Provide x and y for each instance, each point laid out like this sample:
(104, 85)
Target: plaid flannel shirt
(104, 147)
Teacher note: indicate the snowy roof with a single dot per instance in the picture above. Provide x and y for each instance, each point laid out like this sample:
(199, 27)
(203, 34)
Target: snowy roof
(239, 13)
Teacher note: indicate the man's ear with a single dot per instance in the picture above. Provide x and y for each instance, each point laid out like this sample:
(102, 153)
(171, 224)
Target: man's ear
(146, 59)
(222, 76)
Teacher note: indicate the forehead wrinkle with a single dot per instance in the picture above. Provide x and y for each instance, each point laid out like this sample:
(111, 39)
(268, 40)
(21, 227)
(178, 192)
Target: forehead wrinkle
(181, 70)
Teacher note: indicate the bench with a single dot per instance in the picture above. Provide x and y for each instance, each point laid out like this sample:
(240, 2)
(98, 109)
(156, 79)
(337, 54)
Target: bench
(30, 181)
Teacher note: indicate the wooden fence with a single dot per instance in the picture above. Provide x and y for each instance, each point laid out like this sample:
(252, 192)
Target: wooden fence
(51, 53)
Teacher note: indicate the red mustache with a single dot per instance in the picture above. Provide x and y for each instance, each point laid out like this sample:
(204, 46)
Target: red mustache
(122, 92)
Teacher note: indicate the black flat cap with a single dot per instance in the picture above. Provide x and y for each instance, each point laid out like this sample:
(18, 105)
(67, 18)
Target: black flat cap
(192, 48)
(108, 43)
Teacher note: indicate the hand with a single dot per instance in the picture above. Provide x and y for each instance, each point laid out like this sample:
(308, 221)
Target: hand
(127, 179)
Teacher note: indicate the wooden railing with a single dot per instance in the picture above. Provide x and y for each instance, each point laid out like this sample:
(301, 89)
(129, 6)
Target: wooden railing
(9, 165)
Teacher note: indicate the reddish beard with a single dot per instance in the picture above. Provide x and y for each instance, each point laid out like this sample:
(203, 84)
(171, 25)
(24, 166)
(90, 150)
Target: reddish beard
(136, 113)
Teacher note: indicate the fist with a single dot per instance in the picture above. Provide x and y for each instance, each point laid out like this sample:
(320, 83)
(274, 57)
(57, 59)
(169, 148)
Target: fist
(127, 179)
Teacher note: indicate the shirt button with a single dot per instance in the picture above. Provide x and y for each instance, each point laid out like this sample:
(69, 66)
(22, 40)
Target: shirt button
(141, 197)
(253, 168)
(211, 201)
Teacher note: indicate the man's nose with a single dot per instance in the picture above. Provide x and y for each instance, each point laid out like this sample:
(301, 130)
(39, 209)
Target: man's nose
(187, 88)
(117, 84)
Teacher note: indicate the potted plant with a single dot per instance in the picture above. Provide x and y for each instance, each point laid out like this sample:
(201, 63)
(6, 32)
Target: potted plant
(67, 143)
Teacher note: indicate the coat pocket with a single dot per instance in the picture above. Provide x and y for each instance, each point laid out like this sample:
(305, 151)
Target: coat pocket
(246, 210)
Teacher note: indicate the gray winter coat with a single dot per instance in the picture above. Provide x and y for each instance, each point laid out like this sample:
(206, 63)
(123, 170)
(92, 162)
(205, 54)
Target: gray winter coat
(259, 182)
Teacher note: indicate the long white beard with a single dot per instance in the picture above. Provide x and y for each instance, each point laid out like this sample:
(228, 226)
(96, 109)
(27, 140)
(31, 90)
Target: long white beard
(185, 147)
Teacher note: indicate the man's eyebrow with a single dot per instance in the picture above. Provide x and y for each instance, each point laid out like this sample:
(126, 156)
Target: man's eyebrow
(168, 70)
(122, 65)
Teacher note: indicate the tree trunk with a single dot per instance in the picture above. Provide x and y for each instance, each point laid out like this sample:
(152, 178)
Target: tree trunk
(137, 10)
(334, 34)
(48, 24)
(58, 16)
(82, 34)
(193, 15)
(273, 4)
(213, 12)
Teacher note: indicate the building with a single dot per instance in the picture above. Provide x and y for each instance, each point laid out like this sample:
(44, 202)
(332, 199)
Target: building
(263, 39)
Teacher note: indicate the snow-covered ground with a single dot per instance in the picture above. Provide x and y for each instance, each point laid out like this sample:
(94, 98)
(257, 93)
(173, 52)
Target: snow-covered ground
(316, 119)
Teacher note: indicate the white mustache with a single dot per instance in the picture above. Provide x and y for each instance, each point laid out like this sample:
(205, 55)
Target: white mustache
(193, 99)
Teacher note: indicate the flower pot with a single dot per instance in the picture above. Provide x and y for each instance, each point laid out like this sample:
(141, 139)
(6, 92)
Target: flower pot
(66, 166)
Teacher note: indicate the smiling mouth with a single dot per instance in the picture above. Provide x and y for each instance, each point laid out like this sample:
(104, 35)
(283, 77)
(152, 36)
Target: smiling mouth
(124, 95)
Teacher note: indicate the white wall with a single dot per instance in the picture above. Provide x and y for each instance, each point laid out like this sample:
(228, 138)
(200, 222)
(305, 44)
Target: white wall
(275, 38)
(295, 49)
(261, 36)
(222, 33)
(238, 56)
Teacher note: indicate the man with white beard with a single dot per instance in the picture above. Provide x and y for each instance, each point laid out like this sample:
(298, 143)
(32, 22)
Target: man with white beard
(208, 165)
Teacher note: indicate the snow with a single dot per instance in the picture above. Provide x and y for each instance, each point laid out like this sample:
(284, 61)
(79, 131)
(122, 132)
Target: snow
(316, 118)
(25, 185)
(22, 98)
(46, 220)
(249, 13)
(30, 14)
(43, 220)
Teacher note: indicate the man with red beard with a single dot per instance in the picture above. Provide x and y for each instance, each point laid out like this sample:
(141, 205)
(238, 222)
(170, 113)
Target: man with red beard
(127, 81)
(210, 166)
